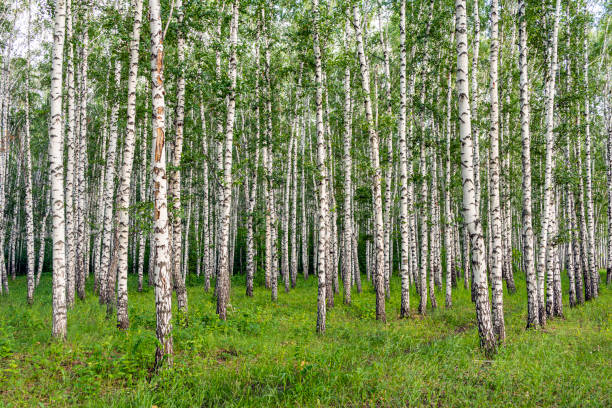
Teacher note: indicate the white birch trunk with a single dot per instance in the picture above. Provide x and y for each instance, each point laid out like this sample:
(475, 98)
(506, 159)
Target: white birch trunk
(161, 246)
(470, 210)
(123, 199)
(548, 187)
(494, 175)
(56, 174)
(322, 181)
(70, 156)
(592, 269)
(28, 177)
(404, 227)
(376, 188)
(174, 181)
(107, 277)
(224, 282)
(533, 319)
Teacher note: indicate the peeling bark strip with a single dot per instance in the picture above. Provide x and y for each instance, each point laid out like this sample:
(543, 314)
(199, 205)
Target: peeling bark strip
(470, 210)
(161, 242)
(56, 174)
(123, 199)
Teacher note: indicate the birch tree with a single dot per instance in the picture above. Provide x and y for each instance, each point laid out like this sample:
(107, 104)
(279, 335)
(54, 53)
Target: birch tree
(533, 316)
(494, 169)
(376, 187)
(470, 210)
(224, 283)
(161, 242)
(56, 174)
(322, 172)
(123, 199)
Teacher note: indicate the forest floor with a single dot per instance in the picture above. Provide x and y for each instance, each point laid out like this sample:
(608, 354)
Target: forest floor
(269, 354)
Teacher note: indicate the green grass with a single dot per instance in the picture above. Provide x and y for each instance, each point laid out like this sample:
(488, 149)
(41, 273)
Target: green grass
(269, 354)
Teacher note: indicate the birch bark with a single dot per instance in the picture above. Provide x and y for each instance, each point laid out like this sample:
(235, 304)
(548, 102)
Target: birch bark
(56, 174)
(376, 188)
(533, 319)
(163, 288)
(123, 199)
(224, 282)
(470, 210)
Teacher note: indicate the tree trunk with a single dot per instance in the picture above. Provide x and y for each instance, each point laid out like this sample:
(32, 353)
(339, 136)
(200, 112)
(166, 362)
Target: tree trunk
(533, 319)
(28, 176)
(470, 210)
(376, 187)
(123, 199)
(107, 289)
(592, 267)
(174, 182)
(495, 221)
(82, 240)
(404, 227)
(56, 174)
(548, 187)
(163, 288)
(322, 181)
(70, 156)
(224, 282)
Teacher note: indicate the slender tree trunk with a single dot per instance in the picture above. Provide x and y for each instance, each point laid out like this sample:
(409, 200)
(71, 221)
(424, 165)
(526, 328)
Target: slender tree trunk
(294, 188)
(347, 254)
(304, 226)
(322, 181)
(123, 199)
(163, 288)
(470, 210)
(548, 187)
(82, 240)
(285, 218)
(533, 319)
(495, 221)
(107, 287)
(41, 248)
(474, 102)
(174, 182)
(376, 188)
(404, 227)
(424, 235)
(449, 224)
(608, 120)
(28, 176)
(592, 267)
(142, 237)
(556, 287)
(56, 174)
(70, 156)
(584, 261)
(224, 282)
(252, 195)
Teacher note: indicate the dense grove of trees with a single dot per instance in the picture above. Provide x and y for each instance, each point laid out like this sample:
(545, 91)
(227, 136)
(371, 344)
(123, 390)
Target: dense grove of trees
(461, 145)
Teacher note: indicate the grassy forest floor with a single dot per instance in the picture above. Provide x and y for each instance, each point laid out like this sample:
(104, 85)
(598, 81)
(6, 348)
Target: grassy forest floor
(269, 354)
